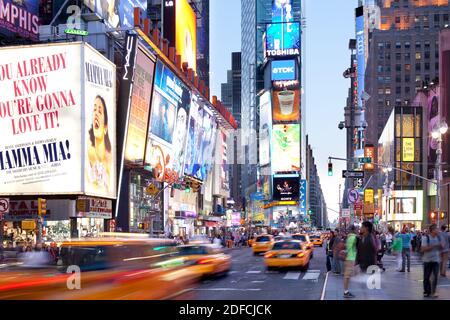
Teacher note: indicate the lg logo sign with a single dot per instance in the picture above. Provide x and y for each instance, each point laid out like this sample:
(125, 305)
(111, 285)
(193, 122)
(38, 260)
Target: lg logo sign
(168, 3)
(283, 70)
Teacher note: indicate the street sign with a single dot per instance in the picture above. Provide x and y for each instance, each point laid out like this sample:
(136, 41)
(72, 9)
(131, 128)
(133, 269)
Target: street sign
(4, 206)
(345, 213)
(358, 206)
(151, 189)
(365, 160)
(353, 196)
(76, 32)
(352, 174)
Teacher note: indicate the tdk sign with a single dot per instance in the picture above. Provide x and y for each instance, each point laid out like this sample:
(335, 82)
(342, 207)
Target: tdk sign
(283, 70)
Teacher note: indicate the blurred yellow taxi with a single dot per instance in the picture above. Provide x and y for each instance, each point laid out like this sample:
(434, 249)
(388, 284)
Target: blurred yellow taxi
(303, 237)
(205, 259)
(316, 240)
(262, 243)
(288, 253)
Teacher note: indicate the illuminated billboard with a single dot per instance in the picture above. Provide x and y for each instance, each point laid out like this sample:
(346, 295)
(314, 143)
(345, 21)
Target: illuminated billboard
(19, 18)
(286, 105)
(282, 39)
(286, 187)
(369, 151)
(283, 70)
(61, 138)
(195, 136)
(408, 149)
(282, 11)
(286, 147)
(265, 128)
(141, 93)
(433, 120)
(360, 52)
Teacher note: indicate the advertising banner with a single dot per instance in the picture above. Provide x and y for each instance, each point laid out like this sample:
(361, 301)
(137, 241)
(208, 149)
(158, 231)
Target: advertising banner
(44, 148)
(360, 52)
(283, 39)
(286, 105)
(116, 13)
(286, 188)
(100, 125)
(235, 219)
(168, 125)
(369, 151)
(93, 208)
(302, 196)
(140, 108)
(186, 33)
(224, 182)
(369, 195)
(433, 120)
(286, 148)
(408, 149)
(265, 128)
(203, 165)
(126, 11)
(195, 137)
(283, 70)
(282, 11)
(19, 18)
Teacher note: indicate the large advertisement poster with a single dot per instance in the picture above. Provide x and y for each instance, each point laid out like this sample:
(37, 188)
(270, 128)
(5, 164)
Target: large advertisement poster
(286, 148)
(283, 39)
(433, 120)
(286, 105)
(286, 188)
(360, 52)
(204, 161)
(186, 33)
(265, 128)
(224, 183)
(47, 125)
(140, 108)
(195, 137)
(19, 17)
(168, 125)
(100, 124)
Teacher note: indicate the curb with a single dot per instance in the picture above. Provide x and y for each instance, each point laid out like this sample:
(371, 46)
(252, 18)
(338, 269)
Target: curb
(322, 297)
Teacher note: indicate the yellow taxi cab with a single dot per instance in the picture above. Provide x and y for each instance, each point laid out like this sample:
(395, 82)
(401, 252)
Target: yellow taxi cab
(316, 240)
(288, 253)
(304, 237)
(262, 243)
(205, 259)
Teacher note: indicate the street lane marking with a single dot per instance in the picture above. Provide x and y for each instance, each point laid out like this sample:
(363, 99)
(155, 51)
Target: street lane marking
(292, 276)
(226, 289)
(258, 281)
(324, 286)
(231, 272)
(254, 271)
(312, 276)
(313, 271)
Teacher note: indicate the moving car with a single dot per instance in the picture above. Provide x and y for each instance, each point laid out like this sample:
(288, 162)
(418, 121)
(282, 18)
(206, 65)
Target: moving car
(205, 259)
(316, 240)
(263, 243)
(288, 253)
(303, 237)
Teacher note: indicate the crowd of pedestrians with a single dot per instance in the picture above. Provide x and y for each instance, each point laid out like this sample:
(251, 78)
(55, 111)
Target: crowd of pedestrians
(350, 251)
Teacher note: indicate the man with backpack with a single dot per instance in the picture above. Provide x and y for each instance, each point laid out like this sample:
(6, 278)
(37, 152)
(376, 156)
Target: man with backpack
(431, 248)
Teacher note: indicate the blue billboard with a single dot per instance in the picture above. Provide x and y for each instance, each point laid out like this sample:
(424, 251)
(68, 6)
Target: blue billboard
(283, 39)
(360, 55)
(283, 70)
(282, 11)
(302, 196)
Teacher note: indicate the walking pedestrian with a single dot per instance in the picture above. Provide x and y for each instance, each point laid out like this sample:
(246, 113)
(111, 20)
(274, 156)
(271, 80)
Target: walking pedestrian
(444, 253)
(431, 247)
(329, 251)
(337, 247)
(349, 264)
(397, 250)
(419, 240)
(406, 249)
(389, 238)
(366, 247)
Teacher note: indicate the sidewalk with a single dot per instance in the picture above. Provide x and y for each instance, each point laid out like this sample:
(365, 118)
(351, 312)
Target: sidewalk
(394, 285)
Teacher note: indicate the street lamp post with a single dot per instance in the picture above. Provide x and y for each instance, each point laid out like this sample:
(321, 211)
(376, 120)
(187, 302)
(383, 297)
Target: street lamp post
(387, 190)
(438, 131)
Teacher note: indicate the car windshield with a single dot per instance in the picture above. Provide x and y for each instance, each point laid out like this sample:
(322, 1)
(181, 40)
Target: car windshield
(192, 250)
(299, 237)
(263, 239)
(286, 246)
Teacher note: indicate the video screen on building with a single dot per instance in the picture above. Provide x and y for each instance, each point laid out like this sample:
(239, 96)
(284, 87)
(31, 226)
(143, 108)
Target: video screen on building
(265, 128)
(286, 105)
(195, 136)
(283, 70)
(286, 188)
(282, 39)
(285, 147)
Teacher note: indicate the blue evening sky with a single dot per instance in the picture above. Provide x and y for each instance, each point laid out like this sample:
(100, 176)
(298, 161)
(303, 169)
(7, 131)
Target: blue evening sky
(329, 26)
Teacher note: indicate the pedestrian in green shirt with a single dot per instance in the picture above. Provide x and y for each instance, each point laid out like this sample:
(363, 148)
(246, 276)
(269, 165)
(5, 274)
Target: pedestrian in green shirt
(349, 264)
(397, 247)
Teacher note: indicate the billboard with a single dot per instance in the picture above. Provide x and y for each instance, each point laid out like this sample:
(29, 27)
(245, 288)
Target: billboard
(302, 196)
(186, 33)
(286, 188)
(369, 151)
(116, 13)
(433, 120)
(204, 155)
(283, 70)
(265, 128)
(286, 105)
(360, 52)
(141, 93)
(408, 149)
(54, 132)
(169, 120)
(195, 137)
(19, 18)
(286, 147)
(282, 11)
(282, 39)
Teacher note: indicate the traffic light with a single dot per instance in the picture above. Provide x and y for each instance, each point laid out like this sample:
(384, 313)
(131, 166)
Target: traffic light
(142, 226)
(310, 211)
(433, 215)
(330, 169)
(187, 187)
(442, 215)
